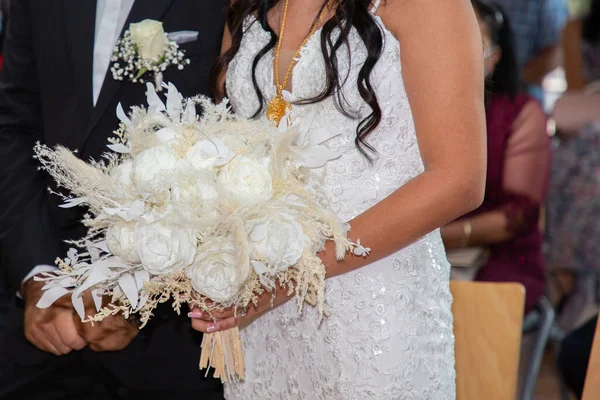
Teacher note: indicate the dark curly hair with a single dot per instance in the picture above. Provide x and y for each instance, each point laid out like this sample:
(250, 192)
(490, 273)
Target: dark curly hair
(506, 78)
(348, 14)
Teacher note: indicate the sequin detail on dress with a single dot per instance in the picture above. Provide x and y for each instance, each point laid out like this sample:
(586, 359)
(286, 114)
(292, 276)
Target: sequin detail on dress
(389, 335)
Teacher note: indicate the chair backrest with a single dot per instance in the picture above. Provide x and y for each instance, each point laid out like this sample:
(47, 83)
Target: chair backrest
(591, 390)
(488, 320)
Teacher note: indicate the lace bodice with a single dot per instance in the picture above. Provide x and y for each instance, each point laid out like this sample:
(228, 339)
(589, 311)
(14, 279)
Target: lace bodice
(389, 335)
(350, 180)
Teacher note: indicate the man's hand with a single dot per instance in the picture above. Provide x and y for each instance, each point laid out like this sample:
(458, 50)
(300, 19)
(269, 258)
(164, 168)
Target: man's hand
(111, 334)
(50, 329)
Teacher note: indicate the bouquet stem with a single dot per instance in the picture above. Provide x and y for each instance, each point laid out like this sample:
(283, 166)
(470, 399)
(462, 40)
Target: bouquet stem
(223, 352)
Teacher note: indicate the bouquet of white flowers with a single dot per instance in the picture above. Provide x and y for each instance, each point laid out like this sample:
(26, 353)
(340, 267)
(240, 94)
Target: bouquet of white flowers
(211, 211)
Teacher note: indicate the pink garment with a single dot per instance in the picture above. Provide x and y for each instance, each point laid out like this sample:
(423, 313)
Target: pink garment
(517, 179)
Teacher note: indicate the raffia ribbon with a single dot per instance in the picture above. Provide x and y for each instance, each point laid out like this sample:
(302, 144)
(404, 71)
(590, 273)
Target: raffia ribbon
(223, 352)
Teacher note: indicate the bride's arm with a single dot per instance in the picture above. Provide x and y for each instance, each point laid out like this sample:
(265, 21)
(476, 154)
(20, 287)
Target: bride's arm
(443, 73)
(442, 68)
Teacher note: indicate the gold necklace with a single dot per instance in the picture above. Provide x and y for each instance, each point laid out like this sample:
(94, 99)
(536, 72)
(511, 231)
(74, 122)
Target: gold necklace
(277, 107)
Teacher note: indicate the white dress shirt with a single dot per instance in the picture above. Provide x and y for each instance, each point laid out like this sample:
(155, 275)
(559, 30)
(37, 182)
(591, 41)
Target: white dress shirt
(110, 19)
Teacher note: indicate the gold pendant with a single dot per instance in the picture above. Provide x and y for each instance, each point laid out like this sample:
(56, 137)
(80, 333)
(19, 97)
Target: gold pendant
(277, 108)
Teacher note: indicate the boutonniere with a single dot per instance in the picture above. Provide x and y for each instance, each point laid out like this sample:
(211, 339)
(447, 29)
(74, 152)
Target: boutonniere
(144, 52)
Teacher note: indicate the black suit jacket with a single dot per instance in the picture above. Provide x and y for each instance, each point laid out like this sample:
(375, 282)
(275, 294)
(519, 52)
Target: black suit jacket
(46, 95)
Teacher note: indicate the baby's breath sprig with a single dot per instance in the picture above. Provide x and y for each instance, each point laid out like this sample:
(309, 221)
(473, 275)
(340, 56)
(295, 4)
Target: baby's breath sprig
(129, 65)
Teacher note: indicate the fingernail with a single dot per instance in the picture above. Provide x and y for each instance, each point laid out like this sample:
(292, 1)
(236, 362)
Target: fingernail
(212, 328)
(195, 314)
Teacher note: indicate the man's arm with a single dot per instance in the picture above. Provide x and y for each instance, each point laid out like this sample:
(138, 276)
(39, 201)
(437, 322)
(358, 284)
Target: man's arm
(542, 64)
(553, 16)
(573, 55)
(28, 236)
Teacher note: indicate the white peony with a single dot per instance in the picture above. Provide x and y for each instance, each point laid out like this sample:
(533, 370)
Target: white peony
(276, 244)
(120, 240)
(150, 39)
(247, 179)
(150, 167)
(163, 250)
(123, 176)
(217, 272)
(209, 153)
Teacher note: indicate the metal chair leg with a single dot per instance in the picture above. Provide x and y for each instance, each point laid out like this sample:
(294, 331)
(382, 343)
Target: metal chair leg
(541, 339)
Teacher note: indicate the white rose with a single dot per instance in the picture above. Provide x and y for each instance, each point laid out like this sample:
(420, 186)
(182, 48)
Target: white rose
(163, 250)
(150, 167)
(150, 39)
(120, 240)
(277, 243)
(209, 153)
(247, 179)
(122, 174)
(216, 273)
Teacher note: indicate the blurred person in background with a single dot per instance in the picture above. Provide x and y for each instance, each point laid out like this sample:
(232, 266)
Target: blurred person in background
(518, 163)
(573, 206)
(581, 49)
(573, 228)
(537, 27)
(574, 194)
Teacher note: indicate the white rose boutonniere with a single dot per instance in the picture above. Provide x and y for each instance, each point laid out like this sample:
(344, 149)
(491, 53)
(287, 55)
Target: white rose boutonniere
(145, 49)
(150, 38)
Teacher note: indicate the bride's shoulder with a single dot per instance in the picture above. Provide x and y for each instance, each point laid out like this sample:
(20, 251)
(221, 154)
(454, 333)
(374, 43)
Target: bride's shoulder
(406, 18)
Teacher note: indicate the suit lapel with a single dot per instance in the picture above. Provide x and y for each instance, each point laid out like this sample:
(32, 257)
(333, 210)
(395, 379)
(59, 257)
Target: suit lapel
(80, 21)
(141, 10)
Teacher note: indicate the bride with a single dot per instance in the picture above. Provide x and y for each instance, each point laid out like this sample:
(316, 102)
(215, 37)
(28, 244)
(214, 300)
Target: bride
(401, 85)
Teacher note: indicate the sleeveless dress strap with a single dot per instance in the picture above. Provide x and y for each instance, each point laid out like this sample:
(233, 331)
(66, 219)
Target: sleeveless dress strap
(375, 6)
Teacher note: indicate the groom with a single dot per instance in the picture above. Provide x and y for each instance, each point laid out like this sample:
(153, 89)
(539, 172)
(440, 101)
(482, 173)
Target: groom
(56, 87)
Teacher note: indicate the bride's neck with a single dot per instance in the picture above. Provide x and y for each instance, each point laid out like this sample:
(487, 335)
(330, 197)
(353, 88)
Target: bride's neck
(301, 13)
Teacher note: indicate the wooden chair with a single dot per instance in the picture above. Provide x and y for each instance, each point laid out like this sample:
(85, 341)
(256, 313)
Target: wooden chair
(591, 390)
(488, 319)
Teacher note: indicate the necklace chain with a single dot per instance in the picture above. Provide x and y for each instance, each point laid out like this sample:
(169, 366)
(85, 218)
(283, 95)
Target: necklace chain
(277, 107)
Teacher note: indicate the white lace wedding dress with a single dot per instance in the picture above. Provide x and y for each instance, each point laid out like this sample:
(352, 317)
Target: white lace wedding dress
(389, 335)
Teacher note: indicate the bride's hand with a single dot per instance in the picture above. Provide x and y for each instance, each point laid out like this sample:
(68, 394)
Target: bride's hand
(220, 320)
